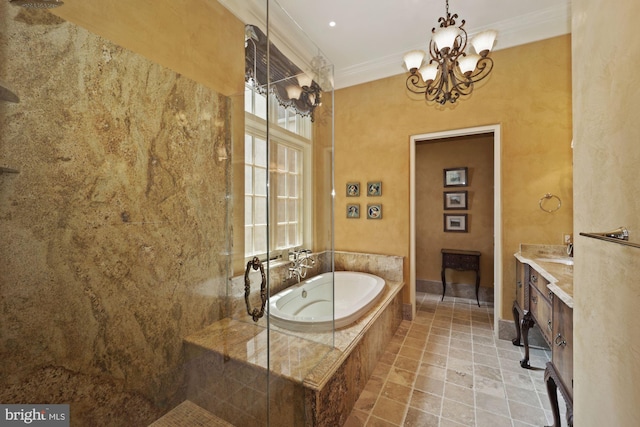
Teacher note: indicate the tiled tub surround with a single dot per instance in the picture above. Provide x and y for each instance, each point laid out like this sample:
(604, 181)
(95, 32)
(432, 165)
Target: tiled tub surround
(315, 379)
(115, 230)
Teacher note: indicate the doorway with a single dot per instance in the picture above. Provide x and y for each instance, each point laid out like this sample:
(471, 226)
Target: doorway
(497, 230)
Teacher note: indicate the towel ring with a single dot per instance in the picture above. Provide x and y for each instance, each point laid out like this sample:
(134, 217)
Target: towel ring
(547, 197)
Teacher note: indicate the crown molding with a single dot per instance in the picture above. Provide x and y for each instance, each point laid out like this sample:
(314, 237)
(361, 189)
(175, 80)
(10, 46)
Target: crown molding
(527, 28)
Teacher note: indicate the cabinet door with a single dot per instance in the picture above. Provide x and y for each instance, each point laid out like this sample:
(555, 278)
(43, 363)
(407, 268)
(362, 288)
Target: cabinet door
(541, 310)
(562, 347)
(522, 272)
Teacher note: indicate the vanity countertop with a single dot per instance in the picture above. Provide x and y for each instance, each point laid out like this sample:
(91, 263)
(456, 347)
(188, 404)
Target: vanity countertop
(549, 261)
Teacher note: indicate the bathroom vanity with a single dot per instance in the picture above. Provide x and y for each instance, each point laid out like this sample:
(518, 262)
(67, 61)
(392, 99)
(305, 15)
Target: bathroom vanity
(544, 296)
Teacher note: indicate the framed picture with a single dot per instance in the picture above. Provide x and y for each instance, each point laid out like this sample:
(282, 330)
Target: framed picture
(455, 222)
(455, 200)
(455, 177)
(374, 211)
(374, 188)
(353, 211)
(353, 189)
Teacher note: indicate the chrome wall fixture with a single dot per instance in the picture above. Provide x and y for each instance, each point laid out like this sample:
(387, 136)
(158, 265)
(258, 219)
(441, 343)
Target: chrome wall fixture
(452, 69)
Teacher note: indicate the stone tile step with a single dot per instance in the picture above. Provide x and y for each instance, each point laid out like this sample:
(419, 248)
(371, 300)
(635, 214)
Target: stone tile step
(188, 414)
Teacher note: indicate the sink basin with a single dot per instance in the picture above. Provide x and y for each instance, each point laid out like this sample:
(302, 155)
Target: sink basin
(565, 261)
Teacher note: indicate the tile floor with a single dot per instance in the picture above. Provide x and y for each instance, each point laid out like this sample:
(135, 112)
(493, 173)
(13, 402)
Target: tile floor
(446, 368)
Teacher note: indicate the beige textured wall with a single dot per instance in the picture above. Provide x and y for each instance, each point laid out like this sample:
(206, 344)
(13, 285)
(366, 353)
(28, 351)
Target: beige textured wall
(114, 231)
(529, 94)
(476, 153)
(607, 194)
(197, 38)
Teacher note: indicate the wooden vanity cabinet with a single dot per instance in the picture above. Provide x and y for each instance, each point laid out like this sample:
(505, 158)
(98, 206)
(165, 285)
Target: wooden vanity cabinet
(562, 351)
(559, 372)
(535, 303)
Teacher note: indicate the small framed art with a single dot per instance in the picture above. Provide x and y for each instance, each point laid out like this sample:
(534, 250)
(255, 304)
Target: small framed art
(353, 211)
(374, 188)
(455, 200)
(455, 177)
(374, 211)
(353, 189)
(455, 222)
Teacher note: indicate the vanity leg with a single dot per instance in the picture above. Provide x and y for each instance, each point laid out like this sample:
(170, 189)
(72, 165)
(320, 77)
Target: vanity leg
(569, 415)
(516, 320)
(527, 323)
(444, 284)
(552, 391)
(477, 286)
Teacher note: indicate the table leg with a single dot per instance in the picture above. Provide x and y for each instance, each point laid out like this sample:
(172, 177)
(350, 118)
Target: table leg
(477, 286)
(444, 284)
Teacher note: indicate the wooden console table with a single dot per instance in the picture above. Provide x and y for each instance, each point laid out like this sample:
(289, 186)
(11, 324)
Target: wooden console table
(462, 261)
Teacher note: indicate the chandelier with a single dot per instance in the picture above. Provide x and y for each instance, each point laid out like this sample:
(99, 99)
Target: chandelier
(451, 69)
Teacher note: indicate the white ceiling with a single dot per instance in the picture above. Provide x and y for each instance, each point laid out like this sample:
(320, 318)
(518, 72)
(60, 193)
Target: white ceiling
(371, 36)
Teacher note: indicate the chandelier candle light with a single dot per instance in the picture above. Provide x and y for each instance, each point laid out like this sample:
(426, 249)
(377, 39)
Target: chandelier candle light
(452, 69)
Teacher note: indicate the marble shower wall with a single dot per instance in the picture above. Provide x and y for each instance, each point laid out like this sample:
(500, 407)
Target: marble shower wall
(115, 232)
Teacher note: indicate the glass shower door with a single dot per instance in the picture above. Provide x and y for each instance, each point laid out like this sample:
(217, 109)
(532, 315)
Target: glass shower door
(286, 203)
(300, 143)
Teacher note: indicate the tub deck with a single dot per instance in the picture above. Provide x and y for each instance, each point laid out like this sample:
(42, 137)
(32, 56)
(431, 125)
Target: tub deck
(315, 377)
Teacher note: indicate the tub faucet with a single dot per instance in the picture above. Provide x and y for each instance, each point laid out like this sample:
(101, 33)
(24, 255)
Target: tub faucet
(300, 261)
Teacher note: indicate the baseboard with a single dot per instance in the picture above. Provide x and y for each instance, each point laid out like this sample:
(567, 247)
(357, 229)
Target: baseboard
(459, 290)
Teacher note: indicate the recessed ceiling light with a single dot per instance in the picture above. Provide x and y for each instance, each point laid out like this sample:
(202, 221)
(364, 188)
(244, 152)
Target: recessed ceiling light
(332, 23)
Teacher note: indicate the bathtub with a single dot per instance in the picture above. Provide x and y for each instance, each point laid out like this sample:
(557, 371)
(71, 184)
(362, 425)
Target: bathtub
(308, 306)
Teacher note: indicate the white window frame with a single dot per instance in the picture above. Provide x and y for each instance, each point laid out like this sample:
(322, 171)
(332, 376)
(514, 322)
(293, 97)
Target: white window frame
(257, 127)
